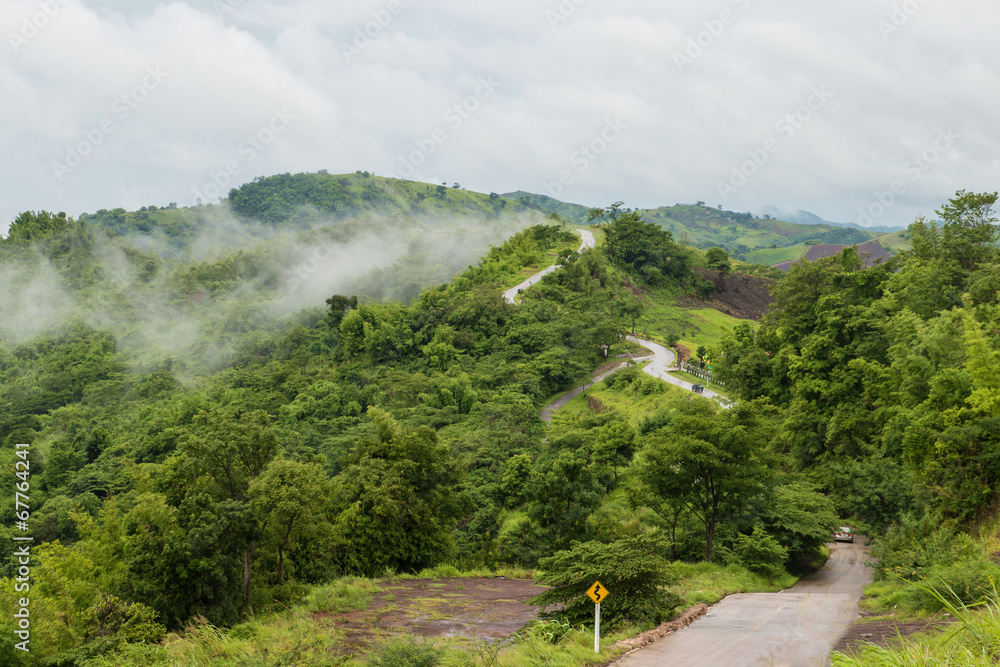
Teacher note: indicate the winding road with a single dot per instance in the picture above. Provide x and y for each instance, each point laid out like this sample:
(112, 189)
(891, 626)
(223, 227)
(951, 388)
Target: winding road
(664, 359)
(511, 295)
(797, 627)
(661, 357)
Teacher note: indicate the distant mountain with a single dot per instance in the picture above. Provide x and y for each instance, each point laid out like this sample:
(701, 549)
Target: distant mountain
(740, 234)
(574, 213)
(807, 218)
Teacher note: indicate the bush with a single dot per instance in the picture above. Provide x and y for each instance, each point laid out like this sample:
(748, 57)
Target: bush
(760, 553)
(967, 581)
(548, 631)
(407, 653)
(632, 570)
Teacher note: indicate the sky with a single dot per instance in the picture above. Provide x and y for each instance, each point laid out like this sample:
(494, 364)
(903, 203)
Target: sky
(863, 111)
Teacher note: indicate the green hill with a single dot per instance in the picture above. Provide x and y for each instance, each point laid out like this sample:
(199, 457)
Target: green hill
(574, 213)
(700, 226)
(316, 199)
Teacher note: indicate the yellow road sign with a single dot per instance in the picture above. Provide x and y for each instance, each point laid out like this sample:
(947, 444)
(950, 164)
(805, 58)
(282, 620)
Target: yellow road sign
(597, 592)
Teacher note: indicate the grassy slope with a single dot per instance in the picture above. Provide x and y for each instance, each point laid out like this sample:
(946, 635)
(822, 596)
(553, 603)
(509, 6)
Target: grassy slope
(771, 256)
(664, 315)
(575, 213)
(896, 242)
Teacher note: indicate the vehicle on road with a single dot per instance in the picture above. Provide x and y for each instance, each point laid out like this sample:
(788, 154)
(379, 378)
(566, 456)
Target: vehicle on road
(845, 534)
(698, 389)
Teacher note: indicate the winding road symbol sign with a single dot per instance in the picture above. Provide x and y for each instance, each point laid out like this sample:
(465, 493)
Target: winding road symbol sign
(597, 592)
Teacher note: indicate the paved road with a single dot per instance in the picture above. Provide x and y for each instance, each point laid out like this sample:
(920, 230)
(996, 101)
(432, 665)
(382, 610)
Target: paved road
(511, 295)
(664, 359)
(795, 628)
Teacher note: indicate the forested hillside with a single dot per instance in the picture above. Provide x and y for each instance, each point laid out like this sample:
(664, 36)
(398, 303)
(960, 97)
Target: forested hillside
(230, 407)
(743, 235)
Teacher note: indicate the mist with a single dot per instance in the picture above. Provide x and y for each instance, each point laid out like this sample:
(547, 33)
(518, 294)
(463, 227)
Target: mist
(186, 303)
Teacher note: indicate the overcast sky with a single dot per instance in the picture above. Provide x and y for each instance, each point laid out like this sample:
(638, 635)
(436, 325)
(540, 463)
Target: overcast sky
(828, 107)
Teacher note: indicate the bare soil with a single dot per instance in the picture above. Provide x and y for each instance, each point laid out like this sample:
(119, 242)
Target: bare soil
(486, 608)
(739, 295)
(882, 632)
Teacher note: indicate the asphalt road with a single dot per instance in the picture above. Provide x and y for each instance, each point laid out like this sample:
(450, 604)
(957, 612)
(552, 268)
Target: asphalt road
(664, 359)
(795, 628)
(511, 295)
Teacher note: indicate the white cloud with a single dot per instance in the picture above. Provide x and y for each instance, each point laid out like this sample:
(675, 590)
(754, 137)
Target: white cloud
(228, 71)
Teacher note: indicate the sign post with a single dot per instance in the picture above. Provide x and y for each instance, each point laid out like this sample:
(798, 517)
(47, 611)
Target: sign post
(597, 592)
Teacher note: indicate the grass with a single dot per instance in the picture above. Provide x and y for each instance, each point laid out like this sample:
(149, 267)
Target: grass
(708, 583)
(705, 326)
(634, 408)
(777, 255)
(974, 639)
(343, 595)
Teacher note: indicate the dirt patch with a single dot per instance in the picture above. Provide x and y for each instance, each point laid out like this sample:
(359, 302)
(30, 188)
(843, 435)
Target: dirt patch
(607, 367)
(683, 354)
(595, 405)
(486, 608)
(636, 292)
(882, 633)
(689, 616)
(739, 295)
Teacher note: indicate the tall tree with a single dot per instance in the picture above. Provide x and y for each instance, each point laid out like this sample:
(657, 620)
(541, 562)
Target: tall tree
(712, 463)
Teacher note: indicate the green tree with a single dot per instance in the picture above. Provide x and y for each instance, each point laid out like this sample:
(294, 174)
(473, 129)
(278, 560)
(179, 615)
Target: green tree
(712, 463)
(232, 448)
(289, 499)
(718, 260)
(338, 307)
(969, 232)
(632, 569)
(397, 500)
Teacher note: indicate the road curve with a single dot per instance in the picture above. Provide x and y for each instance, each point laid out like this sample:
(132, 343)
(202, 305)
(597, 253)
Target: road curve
(662, 360)
(511, 295)
(797, 627)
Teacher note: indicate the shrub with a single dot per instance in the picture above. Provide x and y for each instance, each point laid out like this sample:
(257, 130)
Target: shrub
(968, 581)
(407, 653)
(760, 553)
(632, 570)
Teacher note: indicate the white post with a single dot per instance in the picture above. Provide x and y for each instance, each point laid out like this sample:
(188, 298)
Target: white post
(597, 628)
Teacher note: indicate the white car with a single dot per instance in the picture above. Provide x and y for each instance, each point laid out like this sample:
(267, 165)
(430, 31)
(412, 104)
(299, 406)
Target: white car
(845, 534)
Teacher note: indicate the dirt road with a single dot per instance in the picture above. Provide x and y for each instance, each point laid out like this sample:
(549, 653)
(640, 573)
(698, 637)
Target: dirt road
(797, 627)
